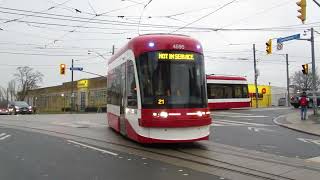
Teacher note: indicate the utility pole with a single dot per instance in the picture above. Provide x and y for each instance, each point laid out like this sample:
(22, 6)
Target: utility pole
(314, 86)
(255, 74)
(72, 95)
(7, 96)
(288, 80)
(113, 49)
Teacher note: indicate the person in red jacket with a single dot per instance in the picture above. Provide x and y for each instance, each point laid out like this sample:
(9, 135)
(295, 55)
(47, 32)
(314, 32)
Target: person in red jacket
(303, 102)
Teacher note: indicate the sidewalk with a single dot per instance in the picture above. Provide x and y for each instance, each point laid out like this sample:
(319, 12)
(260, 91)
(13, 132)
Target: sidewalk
(293, 121)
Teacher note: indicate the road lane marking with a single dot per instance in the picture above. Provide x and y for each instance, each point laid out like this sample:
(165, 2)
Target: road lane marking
(5, 137)
(240, 116)
(79, 124)
(314, 141)
(259, 129)
(230, 113)
(235, 123)
(268, 109)
(94, 148)
(219, 123)
(314, 159)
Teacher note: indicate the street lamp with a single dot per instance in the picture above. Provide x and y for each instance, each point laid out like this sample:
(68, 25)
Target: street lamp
(64, 102)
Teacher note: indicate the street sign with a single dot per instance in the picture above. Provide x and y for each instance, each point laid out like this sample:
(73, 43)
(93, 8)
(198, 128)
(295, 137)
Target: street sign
(279, 46)
(289, 38)
(76, 69)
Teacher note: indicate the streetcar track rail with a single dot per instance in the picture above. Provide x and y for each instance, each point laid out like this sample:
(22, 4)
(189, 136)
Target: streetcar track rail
(230, 167)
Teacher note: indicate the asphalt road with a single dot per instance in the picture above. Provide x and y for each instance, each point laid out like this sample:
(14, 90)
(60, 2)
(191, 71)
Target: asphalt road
(29, 155)
(39, 156)
(255, 130)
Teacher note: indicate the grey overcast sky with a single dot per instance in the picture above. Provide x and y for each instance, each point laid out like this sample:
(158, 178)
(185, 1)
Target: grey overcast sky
(44, 33)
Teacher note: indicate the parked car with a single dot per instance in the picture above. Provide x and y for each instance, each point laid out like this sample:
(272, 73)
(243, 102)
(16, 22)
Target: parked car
(294, 100)
(19, 107)
(4, 111)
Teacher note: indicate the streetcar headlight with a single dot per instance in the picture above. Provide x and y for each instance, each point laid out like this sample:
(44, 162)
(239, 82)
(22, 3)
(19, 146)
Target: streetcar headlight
(199, 113)
(198, 46)
(164, 114)
(151, 44)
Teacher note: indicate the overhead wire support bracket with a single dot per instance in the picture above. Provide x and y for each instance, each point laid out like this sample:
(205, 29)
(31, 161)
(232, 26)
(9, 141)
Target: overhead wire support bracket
(316, 2)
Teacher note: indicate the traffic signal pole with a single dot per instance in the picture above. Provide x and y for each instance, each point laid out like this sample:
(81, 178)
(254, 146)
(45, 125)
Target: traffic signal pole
(255, 74)
(288, 80)
(72, 98)
(314, 85)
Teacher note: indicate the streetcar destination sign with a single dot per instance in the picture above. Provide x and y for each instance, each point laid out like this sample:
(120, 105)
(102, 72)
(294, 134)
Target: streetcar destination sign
(175, 56)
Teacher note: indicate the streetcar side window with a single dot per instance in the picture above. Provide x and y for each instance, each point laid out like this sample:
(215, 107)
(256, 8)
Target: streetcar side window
(131, 86)
(114, 93)
(225, 91)
(245, 91)
(238, 91)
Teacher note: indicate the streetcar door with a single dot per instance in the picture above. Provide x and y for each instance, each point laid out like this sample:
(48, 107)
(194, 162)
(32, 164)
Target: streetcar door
(123, 101)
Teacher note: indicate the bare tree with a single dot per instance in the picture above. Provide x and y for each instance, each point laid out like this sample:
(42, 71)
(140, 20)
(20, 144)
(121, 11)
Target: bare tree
(3, 97)
(3, 93)
(27, 79)
(304, 82)
(12, 90)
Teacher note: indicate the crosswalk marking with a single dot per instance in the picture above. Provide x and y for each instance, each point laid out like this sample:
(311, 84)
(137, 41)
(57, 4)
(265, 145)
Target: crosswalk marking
(235, 123)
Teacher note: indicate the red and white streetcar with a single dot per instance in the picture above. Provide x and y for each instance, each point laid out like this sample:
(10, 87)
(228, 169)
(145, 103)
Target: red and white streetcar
(226, 92)
(157, 90)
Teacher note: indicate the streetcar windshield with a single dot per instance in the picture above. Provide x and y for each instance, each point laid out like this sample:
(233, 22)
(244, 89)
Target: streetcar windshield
(172, 79)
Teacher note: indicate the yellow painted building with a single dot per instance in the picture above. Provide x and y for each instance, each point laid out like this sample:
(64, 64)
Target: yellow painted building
(264, 93)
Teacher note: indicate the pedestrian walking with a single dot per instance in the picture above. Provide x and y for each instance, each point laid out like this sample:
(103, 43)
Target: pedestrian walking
(303, 102)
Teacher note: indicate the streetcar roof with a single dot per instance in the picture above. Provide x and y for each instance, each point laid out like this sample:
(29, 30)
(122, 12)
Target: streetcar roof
(141, 44)
(232, 78)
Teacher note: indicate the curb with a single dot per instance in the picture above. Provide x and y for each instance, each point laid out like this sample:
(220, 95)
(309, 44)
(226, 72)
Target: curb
(288, 127)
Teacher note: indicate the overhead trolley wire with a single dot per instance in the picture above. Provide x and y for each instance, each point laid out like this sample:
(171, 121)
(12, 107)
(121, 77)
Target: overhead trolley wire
(260, 12)
(12, 20)
(202, 17)
(133, 24)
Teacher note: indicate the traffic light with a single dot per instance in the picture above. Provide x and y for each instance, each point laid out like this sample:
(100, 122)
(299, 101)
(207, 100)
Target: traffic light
(303, 10)
(305, 69)
(269, 46)
(62, 69)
